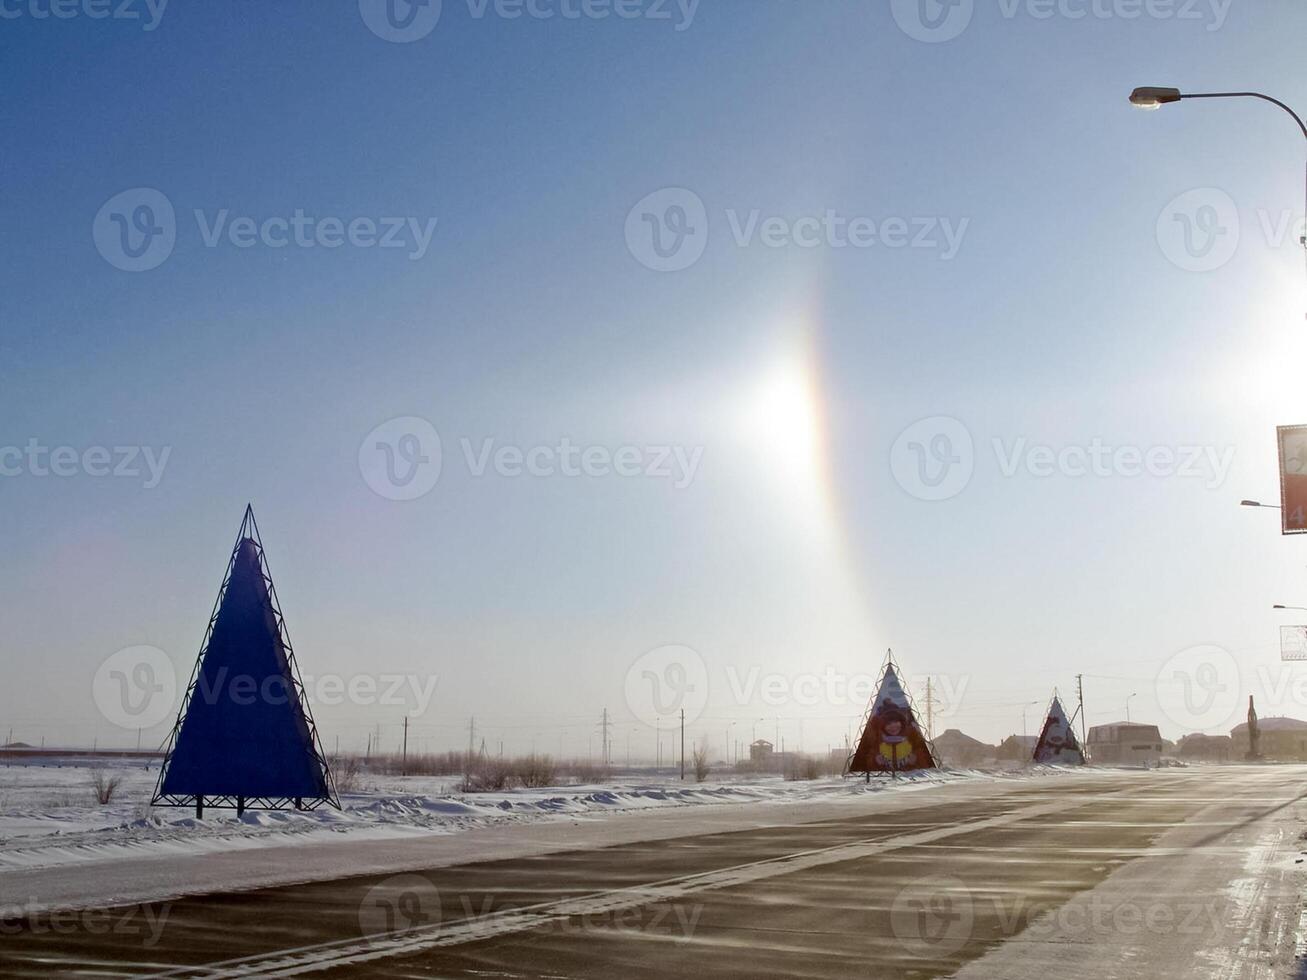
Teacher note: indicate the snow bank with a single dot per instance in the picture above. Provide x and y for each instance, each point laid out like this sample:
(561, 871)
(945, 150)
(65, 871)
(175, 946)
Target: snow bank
(48, 817)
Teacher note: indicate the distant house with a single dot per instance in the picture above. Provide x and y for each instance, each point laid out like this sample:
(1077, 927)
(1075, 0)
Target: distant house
(1017, 748)
(956, 748)
(1208, 748)
(1125, 743)
(1281, 738)
(761, 752)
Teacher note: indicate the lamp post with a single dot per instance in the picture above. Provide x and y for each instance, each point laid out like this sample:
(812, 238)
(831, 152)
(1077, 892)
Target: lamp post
(1298, 608)
(1127, 707)
(1152, 97)
(1258, 503)
(1028, 704)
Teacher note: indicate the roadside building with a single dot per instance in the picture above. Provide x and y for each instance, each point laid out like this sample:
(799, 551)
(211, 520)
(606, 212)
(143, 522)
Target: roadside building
(762, 754)
(1125, 743)
(1283, 739)
(1017, 748)
(956, 748)
(1205, 748)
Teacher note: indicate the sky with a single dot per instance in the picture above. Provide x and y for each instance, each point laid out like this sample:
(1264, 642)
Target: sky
(638, 356)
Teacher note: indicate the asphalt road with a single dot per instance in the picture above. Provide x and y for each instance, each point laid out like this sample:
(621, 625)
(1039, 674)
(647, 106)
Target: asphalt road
(1188, 873)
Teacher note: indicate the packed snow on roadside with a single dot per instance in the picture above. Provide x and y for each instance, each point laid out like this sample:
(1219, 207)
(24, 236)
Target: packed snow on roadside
(49, 816)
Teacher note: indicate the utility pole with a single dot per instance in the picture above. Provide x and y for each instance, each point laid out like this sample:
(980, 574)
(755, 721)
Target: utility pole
(682, 745)
(471, 735)
(930, 709)
(403, 764)
(1080, 710)
(608, 755)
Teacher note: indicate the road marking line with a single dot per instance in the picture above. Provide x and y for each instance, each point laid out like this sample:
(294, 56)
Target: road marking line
(315, 958)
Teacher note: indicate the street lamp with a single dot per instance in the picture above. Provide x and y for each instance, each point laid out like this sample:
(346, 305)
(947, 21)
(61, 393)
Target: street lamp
(1024, 733)
(1127, 708)
(1258, 503)
(1154, 98)
(1298, 608)
(1151, 97)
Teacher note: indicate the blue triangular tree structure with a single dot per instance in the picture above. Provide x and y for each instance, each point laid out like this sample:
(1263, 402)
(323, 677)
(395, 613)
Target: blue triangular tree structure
(245, 736)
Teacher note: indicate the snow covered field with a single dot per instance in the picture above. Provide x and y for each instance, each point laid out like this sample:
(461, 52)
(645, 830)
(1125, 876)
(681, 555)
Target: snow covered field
(49, 817)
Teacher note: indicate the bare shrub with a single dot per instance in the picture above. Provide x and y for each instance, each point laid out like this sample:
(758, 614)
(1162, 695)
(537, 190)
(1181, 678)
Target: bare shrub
(534, 771)
(480, 775)
(429, 764)
(347, 773)
(807, 767)
(700, 760)
(587, 772)
(486, 776)
(104, 786)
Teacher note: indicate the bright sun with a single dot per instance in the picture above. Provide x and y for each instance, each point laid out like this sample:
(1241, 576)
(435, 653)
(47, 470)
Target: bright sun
(781, 418)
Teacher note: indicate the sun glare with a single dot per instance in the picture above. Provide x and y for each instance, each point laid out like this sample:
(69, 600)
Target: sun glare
(781, 418)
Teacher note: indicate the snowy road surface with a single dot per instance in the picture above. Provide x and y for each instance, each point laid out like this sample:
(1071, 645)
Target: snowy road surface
(1182, 873)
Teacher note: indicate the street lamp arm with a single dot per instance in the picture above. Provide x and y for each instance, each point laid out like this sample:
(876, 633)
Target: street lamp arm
(1249, 95)
(1154, 97)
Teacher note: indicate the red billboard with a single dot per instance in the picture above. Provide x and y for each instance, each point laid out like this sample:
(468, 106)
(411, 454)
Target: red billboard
(1293, 478)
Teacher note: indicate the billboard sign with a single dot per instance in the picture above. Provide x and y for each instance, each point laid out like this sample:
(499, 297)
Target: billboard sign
(892, 740)
(1293, 642)
(1292, 440)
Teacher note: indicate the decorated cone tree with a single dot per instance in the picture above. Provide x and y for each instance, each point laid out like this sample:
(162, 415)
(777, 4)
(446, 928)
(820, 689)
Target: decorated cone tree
(891, 741)
(1057, 743)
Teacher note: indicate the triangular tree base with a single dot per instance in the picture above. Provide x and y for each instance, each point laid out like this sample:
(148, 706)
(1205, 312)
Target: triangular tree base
(891, 740)
(1057, 743)
(245, 737)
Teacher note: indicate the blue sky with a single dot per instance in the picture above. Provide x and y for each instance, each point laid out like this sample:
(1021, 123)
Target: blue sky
(530, 318)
